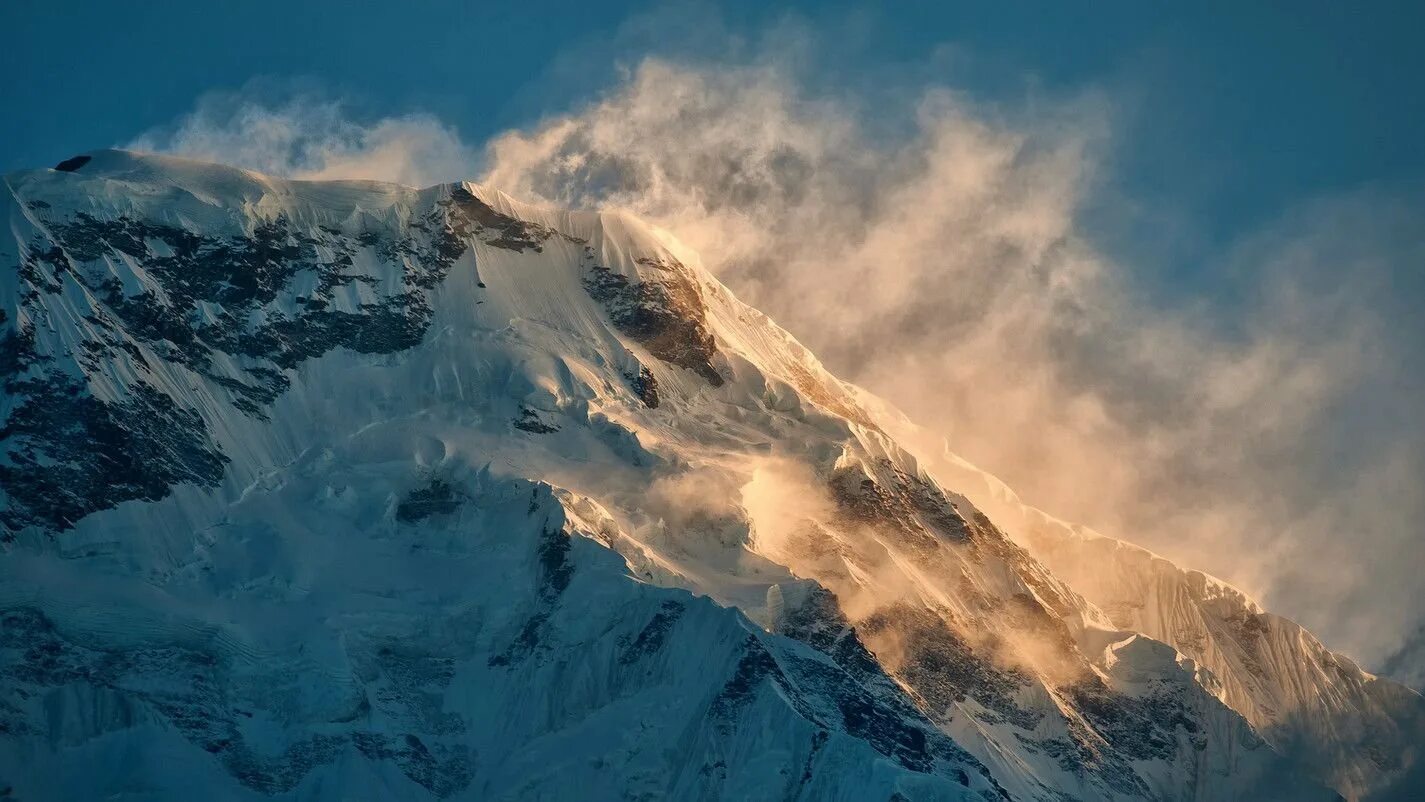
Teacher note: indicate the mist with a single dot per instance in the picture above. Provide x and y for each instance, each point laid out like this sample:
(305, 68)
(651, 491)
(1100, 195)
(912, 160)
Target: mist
(934, 250)
(280, 129)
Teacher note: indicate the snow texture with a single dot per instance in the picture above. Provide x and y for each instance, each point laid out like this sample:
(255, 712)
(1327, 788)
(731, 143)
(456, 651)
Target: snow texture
(348, 490)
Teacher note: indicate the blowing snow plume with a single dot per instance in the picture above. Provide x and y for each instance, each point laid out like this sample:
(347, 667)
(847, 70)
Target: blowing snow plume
(305, 135)
(938, 261)
(899, 559)
(930, 249)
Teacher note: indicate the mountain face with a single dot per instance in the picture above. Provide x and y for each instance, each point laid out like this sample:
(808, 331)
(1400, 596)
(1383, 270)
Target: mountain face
(346, 490)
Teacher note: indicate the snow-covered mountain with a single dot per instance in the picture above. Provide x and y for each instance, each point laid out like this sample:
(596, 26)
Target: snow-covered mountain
(347, 490)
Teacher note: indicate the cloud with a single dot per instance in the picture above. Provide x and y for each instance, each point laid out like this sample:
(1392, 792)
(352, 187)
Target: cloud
(1407, 663)
(933, 249)
(933, 252)
(306, 135)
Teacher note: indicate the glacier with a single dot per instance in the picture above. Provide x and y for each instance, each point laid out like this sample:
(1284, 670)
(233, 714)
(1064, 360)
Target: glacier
(348, 490)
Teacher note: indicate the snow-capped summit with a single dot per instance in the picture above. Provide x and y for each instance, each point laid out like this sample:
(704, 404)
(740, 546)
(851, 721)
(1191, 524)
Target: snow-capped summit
(342, 490)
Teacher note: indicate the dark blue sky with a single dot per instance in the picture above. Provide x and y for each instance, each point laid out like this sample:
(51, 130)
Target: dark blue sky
(1227, 115)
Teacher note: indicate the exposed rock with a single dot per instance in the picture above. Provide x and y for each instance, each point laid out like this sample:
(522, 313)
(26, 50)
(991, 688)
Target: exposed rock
(436, 498)
(665, 315)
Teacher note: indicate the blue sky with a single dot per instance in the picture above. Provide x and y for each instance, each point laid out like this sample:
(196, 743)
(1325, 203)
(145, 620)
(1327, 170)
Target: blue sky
(1260, 186)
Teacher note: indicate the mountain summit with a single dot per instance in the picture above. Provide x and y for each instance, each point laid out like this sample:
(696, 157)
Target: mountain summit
(349, 490)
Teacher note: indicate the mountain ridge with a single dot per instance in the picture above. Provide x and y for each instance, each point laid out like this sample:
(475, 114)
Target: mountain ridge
(407, 364)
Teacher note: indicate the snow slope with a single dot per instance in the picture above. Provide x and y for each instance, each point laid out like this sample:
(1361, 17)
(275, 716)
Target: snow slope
(1359, 733)
(335, 490)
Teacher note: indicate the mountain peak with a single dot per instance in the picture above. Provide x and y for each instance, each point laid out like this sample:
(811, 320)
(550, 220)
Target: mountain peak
(320, 485)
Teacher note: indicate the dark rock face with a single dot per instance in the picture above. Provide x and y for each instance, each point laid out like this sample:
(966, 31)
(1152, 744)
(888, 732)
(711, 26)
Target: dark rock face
(555, 571)
(470, 216)
(756, 667)
(71, 453)
(247, 274)
(644, 385)
(436, 498)
(666, 315)
(836, 700)
(873, 707)
(530, 421)
(819, 623)
(651, 638)
(72, 163)
(942, 667)
(916, 509)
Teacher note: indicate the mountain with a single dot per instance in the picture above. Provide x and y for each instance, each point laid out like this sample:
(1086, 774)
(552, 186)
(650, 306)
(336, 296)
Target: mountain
(348, 490)
(1357, 732)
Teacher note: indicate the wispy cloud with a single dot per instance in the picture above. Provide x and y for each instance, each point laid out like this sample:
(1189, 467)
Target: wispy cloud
(938, 259)
(307, 135)
(932, 249)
